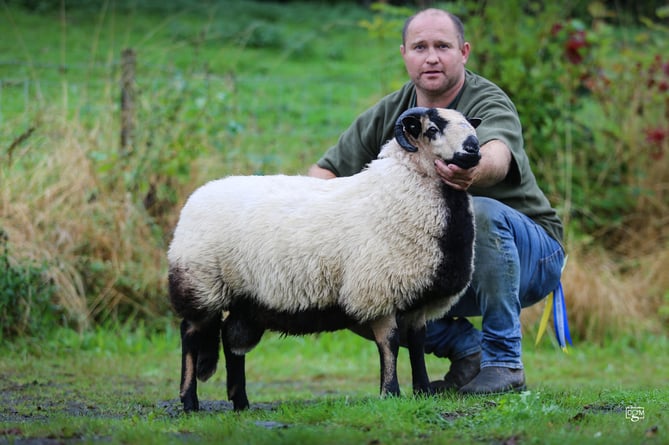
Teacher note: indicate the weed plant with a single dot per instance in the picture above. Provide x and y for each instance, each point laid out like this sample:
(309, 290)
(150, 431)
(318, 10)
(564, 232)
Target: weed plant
(26, 306)
(260, 87)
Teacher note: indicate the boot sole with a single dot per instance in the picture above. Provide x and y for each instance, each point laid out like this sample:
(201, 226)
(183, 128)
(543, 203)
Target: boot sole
(518, 388)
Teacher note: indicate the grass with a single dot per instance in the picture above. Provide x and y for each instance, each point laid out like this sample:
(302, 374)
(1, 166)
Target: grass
(120, 386)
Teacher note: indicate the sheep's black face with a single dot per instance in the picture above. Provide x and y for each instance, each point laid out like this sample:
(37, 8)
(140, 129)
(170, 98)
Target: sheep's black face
(446, 133)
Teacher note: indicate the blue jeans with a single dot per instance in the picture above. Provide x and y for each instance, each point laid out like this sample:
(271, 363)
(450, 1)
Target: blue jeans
(516, 265)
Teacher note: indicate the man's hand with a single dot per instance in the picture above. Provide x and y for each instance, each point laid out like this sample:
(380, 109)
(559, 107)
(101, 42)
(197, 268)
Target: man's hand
(492, 168)
(454, 176)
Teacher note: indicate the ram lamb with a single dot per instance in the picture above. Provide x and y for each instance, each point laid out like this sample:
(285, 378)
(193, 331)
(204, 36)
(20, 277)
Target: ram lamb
(302, 255)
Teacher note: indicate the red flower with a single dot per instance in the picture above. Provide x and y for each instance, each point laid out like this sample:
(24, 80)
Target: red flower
(573, 46)
(576, 40)
(656, 136)
(663, 86)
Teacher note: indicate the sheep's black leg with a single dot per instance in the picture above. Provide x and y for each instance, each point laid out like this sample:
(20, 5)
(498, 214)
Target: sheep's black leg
(387, 338)
(239, 336)
(416, 345)
(236, 378)
(189, 353)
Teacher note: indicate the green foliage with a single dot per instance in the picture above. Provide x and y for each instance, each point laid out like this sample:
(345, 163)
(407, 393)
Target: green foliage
(26, 297)
(177, 122)
(385, 27)
(387, 22)
(241, 87)
(585, 113)
(262, 35)
(593, 107)
(664, 307)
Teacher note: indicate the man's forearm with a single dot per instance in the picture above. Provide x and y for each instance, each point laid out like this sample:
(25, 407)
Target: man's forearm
(494, 165)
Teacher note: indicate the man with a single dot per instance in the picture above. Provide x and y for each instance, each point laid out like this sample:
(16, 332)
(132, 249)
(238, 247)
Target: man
(519, 256)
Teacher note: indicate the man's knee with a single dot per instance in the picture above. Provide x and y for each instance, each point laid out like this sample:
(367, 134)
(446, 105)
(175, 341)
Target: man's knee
(487, 213)
(493, 229)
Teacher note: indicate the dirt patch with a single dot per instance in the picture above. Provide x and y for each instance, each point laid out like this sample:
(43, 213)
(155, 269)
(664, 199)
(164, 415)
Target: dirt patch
(40, 400)
(174, 408)
(23, 404)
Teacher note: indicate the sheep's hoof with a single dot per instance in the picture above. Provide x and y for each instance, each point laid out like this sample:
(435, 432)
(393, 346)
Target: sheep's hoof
(241, 405)
(391, 392)
(424, 392)
(191, 405)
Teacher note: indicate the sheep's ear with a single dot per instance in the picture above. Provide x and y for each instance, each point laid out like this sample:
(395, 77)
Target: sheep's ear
(474, 121)
(412, 125)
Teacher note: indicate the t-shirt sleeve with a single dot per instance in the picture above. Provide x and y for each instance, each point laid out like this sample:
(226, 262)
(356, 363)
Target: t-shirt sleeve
(361, 143)
(356, 147)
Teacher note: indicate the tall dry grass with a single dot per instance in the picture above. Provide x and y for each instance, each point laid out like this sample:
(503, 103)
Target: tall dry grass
(617, 282)
(100, 247)
(607, 297)
(106, 254)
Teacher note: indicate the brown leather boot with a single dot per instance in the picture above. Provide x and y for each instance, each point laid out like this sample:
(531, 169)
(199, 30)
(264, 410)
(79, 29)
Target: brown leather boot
(459, 374)
(495, 380)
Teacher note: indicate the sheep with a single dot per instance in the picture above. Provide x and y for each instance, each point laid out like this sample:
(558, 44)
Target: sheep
(295, 254)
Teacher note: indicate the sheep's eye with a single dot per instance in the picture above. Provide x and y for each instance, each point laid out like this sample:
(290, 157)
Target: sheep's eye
(431, 132)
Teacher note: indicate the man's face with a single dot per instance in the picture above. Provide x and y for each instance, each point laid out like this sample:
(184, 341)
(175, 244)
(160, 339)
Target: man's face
(432, 54)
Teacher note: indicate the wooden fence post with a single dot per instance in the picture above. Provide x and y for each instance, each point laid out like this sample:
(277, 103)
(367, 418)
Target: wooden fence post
(128, 62)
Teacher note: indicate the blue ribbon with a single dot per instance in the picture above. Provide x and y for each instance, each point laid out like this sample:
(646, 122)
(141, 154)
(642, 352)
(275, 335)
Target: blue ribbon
(560, 323)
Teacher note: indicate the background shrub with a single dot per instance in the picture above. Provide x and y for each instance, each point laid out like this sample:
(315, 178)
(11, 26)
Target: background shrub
(26, 297)
(593, 107)
(259, 88)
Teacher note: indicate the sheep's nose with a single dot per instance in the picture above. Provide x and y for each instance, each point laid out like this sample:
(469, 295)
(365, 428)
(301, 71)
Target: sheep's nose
(471, 145)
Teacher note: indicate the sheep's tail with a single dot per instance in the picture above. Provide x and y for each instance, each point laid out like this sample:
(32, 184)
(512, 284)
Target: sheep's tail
(200, 330)
(209, 341)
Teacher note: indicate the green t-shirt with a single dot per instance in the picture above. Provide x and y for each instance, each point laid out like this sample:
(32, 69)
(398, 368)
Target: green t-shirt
(362, 141)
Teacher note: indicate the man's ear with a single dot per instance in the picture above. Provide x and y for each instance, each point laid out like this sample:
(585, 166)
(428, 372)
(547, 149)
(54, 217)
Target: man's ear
(466, 48)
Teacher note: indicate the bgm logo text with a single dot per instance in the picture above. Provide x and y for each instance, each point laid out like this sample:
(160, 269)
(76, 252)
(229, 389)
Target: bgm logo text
(634, 413)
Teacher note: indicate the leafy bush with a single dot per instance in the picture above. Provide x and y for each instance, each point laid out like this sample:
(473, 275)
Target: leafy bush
(594, 111)
(595, 130)
(26, 293)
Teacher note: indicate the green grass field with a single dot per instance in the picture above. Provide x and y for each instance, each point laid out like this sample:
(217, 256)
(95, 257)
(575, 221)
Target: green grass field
(121, 386)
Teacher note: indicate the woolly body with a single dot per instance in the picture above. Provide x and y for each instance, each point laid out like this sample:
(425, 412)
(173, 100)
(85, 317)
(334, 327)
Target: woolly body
(297, 243)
